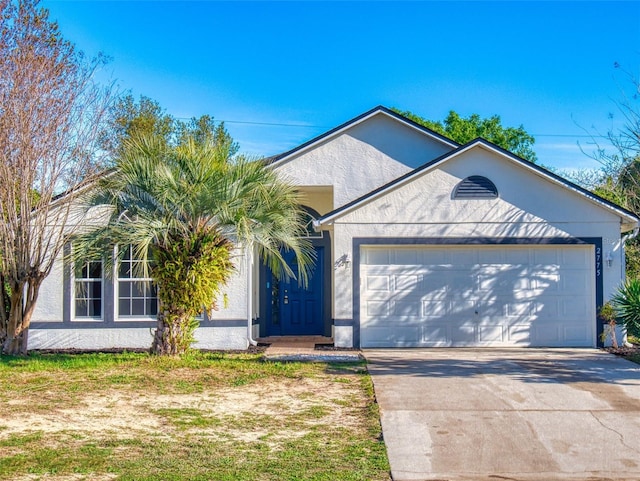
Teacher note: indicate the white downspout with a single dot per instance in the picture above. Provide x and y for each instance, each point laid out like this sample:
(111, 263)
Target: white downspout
(623, 261)
(248, 255)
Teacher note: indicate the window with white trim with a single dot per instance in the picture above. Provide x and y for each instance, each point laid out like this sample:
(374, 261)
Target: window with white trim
(137, 296)
(88, 289)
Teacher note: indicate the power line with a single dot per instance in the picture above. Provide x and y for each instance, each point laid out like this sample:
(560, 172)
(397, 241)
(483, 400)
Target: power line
(587, 136)
(273, 124)
(324, 127)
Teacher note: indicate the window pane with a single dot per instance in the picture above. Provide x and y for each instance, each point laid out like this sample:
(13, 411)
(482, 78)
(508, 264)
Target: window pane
(95, 290)
(81, 308)
(78, 270)
(137, 289)
(136, 269)
(124, 288)
(124, 309)
(95, 270)
(137, 307)
(152, 307)
(95, 308)
(124, 270)
(80, 290)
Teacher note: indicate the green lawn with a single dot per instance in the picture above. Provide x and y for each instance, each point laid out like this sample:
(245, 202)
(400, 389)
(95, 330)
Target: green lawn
(206, 416)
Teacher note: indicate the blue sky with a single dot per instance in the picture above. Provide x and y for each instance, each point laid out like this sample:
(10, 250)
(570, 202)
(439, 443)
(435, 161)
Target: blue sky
(280, 73)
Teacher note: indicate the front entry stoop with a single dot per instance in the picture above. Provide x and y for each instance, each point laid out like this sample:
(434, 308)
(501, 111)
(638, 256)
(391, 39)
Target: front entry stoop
(303, 348)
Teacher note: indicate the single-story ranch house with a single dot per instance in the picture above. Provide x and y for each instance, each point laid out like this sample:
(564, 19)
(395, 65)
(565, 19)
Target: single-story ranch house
(420, 242)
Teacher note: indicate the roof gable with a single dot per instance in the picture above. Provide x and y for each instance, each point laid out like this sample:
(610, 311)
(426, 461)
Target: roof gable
(379, 110)
(361, 155)
(629, 219)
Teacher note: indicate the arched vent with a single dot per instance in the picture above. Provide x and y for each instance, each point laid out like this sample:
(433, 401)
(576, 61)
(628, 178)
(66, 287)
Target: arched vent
(475, 187)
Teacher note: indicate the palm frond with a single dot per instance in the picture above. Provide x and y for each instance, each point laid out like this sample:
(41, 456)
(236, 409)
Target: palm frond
(159, 192)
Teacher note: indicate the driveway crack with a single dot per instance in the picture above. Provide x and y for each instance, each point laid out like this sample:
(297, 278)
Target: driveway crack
(622, 441)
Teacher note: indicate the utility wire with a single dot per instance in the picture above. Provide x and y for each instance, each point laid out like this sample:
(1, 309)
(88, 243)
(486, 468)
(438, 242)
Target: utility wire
(275, 124)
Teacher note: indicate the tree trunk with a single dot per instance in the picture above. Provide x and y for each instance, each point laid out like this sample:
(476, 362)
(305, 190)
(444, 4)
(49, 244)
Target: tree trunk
(12, 345)
(23, 301)
(5, 303)
(174, 333)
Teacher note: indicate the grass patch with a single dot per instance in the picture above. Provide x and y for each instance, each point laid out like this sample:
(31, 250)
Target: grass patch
(205, 416)
(317, 412)
(188, 418)
(36, 459)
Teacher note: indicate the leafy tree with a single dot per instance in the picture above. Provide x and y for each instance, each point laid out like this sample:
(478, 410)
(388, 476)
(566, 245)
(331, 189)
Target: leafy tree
(183, 208)
(463, 130)
(618, 178)
(50, 111)
(128, 118)
(205, 129)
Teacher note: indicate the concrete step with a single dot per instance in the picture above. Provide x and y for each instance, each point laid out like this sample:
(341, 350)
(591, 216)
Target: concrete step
(303, 348)
(291, 340)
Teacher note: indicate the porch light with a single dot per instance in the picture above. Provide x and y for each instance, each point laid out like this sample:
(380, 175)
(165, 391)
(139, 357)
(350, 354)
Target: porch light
(609, 259)
(342, 261)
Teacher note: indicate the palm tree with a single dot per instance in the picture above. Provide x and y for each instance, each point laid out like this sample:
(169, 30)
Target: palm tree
(184, 210)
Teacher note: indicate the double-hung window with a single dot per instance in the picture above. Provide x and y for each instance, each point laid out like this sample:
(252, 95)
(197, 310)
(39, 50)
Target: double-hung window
(88, 289)
(137, 296)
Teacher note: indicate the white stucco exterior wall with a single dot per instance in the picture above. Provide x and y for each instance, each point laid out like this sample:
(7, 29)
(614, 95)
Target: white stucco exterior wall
(49, 306)
(86, 333)
(231, 337)
(235, 292)
(528, 206)
(362, 158)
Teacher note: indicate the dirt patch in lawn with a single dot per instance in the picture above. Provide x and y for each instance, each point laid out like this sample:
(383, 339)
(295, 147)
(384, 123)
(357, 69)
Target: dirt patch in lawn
(130, 416)
(295, 405)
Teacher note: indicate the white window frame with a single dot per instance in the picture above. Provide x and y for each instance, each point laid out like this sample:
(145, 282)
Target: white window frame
(143, 283)
(75, 280)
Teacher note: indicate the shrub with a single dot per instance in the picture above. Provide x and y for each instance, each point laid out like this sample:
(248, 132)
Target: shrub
(627, 305)
(609, 316)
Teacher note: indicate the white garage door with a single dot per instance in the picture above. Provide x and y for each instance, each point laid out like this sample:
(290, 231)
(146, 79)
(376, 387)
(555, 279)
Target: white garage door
(477, 296)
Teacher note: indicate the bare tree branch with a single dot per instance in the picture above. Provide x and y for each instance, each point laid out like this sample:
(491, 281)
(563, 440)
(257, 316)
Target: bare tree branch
(50, 112)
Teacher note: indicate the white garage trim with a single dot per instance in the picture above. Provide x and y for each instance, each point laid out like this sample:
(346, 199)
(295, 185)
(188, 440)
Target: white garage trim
(481, 292)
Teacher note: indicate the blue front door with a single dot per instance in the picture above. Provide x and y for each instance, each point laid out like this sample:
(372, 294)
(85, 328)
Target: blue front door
(298, 311)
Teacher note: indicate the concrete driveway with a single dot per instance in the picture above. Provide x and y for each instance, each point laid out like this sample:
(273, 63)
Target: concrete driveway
(516, 414)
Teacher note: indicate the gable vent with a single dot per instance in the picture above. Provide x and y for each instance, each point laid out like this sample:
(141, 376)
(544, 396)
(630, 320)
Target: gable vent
(475, 187)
